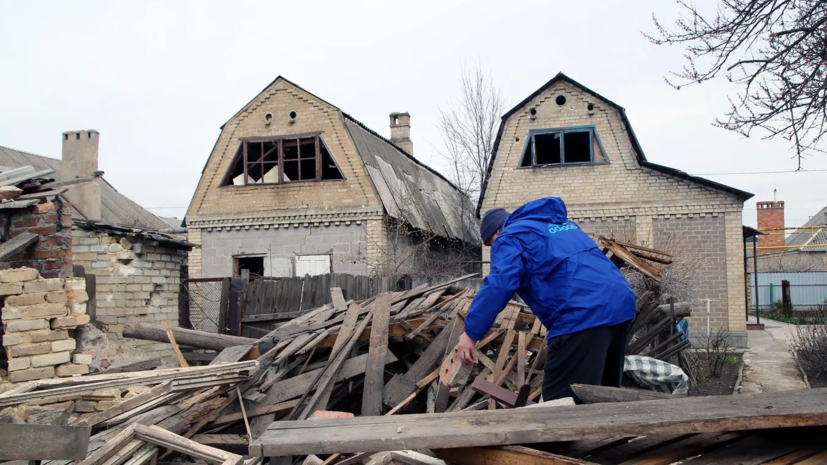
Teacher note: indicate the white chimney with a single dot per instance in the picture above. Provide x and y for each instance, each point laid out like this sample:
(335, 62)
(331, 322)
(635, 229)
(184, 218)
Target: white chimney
(80, 160)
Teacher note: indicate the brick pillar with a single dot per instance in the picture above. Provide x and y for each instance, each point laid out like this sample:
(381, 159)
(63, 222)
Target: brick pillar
(51, 256)
(770, 220)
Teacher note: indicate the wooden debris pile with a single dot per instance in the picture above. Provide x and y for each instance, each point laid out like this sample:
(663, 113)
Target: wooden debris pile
(388, 355)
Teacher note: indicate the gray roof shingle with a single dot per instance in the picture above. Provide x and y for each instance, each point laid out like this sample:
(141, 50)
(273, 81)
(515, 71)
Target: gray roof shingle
(815, 236)
(412, 191)
(116, 208)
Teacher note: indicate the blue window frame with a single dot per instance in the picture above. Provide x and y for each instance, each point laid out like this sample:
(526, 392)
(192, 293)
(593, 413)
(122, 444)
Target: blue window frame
(562, 146)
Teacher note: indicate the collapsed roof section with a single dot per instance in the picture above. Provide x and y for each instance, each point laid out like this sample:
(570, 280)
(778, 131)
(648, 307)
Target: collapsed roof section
(411, 191)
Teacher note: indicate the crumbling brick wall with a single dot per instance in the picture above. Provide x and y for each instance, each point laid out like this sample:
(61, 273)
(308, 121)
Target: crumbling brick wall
(39, 317)
(137, 281)
(51, 256)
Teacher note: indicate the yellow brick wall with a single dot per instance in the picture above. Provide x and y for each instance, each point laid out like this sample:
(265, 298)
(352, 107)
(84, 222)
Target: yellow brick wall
(620, 190)
(310, 204)
(355, 193)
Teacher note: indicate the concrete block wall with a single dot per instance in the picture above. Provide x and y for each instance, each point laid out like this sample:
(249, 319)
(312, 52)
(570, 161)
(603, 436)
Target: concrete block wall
(51, 256)
(344, 242)
(137, 281)
(39, 316)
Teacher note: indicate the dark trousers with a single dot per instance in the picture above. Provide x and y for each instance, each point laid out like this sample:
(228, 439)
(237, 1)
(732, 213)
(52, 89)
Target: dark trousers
(592, 356)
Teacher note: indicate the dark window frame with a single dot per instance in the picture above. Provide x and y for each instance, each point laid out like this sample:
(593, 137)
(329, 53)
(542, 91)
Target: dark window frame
(593, 138)
(243, 156)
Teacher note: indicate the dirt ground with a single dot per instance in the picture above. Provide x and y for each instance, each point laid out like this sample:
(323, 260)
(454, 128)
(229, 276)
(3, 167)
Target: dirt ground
(718, 386)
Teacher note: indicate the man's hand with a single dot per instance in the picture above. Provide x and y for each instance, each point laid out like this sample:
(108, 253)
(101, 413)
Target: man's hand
(467, 349)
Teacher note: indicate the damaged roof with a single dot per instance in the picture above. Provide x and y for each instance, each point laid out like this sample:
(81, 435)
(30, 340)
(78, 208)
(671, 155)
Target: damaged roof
(411, 190)
(641, 158)
(817, 236)
(116, 208)
(168, 240)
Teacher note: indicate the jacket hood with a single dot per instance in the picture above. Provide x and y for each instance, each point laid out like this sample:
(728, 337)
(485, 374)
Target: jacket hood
(549, 209)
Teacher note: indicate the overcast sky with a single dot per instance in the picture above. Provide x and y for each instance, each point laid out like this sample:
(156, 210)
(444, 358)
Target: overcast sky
(158, 79)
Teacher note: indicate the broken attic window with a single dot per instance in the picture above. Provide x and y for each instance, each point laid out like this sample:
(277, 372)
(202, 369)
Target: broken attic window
(549, 147)
(281, 160)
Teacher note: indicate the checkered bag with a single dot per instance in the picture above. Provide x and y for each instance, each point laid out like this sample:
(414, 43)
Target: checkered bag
(656, 375)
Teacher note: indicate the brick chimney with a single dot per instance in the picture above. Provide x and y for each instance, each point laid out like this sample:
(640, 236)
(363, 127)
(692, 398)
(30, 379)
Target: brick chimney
(401, 131)
(80, 160)
(770, 219)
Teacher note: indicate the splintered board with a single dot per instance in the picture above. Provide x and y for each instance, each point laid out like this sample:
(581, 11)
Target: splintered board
(525, 426)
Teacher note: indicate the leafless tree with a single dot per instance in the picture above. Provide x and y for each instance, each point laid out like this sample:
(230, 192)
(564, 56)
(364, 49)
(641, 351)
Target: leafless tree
(468, 127)
(404, 249)
(775, 49)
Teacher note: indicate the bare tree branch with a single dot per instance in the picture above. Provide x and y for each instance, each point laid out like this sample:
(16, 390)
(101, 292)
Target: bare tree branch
(468, 127)
(775, 49)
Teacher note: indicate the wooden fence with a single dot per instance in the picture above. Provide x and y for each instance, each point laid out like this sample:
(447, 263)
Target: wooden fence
(254, 306)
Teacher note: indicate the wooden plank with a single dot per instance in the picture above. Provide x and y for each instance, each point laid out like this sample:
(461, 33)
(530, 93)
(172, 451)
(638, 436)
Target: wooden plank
(256, 411)
(500, 393)
(529, 425)
(271, 317)
(752, 450)
(124, 406)
(233, 443)
(322, 397)
(374, 388)
(326, 380)
(338, 299)
(16, 245)
(22, 388)
(401, 386)
(162, 437)
(43, 442)
(453, 371)
(521, 360)
(182, 362)
(597, 394)
(508, 455)
(87, 384)
(690, 447)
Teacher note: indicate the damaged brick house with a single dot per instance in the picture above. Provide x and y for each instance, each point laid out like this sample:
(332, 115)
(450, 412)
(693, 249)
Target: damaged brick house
(568, 141)
(295, 186)
(136, 263)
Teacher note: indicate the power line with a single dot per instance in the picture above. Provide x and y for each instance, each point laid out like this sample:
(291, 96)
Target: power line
(758, 172)
(161, 208)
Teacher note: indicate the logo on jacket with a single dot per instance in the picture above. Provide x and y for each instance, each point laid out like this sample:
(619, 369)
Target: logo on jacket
(555, 228)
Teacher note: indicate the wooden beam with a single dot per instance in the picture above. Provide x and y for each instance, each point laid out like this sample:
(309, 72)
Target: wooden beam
(16, 245)
(509, 455)
(186, 337)
(598, 394)
(534, 424)
(500, 393)
(374, 388)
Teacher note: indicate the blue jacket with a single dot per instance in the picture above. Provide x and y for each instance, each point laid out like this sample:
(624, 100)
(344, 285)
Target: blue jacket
(557, 270)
